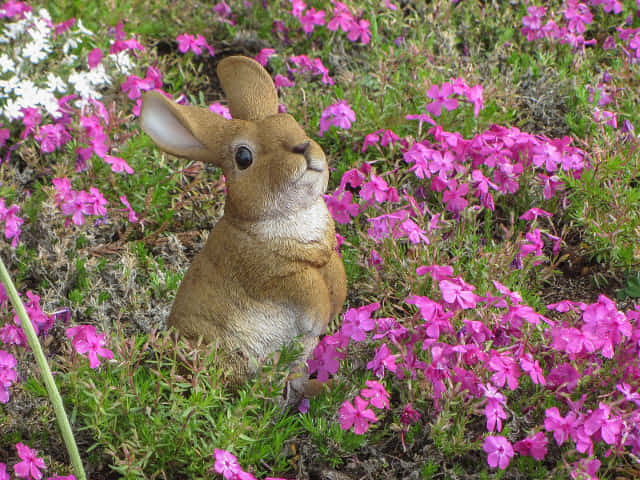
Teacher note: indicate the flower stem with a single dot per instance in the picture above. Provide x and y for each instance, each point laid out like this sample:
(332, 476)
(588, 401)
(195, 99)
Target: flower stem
(52, 389)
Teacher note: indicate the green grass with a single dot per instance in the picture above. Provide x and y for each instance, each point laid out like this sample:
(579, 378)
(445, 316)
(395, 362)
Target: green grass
(160, 408)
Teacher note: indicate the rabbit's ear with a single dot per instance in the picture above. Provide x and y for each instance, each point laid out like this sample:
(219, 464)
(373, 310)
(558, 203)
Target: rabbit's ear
(248, 87)
(185, 131)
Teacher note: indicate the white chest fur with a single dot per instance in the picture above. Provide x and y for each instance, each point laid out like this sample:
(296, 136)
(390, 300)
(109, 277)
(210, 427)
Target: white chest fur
(305, 225)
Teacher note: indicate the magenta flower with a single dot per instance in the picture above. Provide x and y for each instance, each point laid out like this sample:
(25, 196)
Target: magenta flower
(600, 420)
(311, 19)
(499, 451)
(493, 409)
(297, 8)
(86, 341)
(222, 9)
(52, 137)
(505, 369)
(358, 417)
(326, 357)
(534, 446)
(559, 425)
(226, 464)
(413, 232)
(458, 292)
(383, 359)
(133, 86)
(338, 114)
(409, 415)
(377, 188)
(534, 213)
(357, 321)
(359, 30)
(77, 205)
(376, 393)
(30, 465)
(8, 374)
(13, 335)
(341, 206)
(118, 164)
(342, 18)
(12, 222)
(188, 42)
(3, 472)
(454, 197)
(281, 81)
(533, 368)
(440, 96)
(474, 95)
(264, 55)
(94, 58)
(133, 218)
(534, 245)
(221, 110)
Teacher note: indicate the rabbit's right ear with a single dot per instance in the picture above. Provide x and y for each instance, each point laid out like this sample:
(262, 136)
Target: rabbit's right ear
(185, 131)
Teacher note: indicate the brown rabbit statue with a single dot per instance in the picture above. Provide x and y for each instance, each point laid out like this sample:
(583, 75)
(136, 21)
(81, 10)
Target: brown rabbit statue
(269, 272)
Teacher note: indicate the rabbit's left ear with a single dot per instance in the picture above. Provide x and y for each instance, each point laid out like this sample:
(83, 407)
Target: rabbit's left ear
(248, 87)
(185, 131)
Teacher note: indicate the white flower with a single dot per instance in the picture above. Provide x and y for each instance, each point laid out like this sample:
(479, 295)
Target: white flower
(70, 60)
(83, 29)
(55, 83)
(10, 85)
(82, 85)
(98, 76)
(70, 44)
(7, 64)
(123, 62)
(36, 51)
(13, 30)
(50, 103)
(12, 110)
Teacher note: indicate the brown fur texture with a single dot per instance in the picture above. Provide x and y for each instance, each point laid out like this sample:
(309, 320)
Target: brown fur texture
(269, 272)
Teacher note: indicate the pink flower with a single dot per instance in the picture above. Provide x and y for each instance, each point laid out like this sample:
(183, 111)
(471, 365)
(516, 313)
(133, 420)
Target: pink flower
(338, 114)
(326, 357)
(440, 96)
(222, 9)
(534, 213)
(188, 42)
(341, 206)
(493, 409)
(409, 415)
(133, 86)
(383, 359)
(534, 446)
(311, 19)
(357, 321)
(376, 393)
(226, 464)
(505, 368)
(559, 425)
(474, 95)
(499, 451)
(457, 292)
(600, 420)
(342, 18)
(358, 417)
(94, 58)
(377, 188)
(3, 472)
(535, 244)
(8, 374)
(12, 222)
(454, 197)
(30, 465)
(118, 164)
(133, 218)
(86, 341)
(263, 56)
(413, 232)
(297, 8)
(533, 368)
(359, 30)
(52, 137)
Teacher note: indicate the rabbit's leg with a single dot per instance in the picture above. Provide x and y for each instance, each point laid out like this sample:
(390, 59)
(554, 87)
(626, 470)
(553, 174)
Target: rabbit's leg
(336, 281)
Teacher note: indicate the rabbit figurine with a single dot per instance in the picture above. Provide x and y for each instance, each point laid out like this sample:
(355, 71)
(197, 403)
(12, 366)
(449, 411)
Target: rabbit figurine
(269, 272)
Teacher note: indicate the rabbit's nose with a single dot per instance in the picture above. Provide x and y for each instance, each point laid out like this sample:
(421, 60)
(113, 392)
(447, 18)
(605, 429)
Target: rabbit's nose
(312, 153)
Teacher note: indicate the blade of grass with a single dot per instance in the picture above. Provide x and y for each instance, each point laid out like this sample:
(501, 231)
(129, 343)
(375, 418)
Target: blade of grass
(52, 389)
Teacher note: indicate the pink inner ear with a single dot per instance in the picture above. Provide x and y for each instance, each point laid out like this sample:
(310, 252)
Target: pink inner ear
(160, 123)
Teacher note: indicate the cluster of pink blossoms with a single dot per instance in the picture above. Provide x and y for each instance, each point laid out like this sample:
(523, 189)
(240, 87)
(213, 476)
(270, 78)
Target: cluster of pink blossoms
(486, 358)
(342, 19)
(76, 204)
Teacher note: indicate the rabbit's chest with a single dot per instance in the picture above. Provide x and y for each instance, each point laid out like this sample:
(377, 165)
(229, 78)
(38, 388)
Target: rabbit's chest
(306, 225)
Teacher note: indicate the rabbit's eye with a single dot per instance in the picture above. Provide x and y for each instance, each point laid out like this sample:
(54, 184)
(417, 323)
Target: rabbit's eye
(244, 158)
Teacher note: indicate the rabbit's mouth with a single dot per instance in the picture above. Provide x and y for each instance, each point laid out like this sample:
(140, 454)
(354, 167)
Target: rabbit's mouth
(313, 155)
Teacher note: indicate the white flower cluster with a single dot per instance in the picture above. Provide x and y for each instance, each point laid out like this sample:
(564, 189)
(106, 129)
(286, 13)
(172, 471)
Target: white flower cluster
(31, 52)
